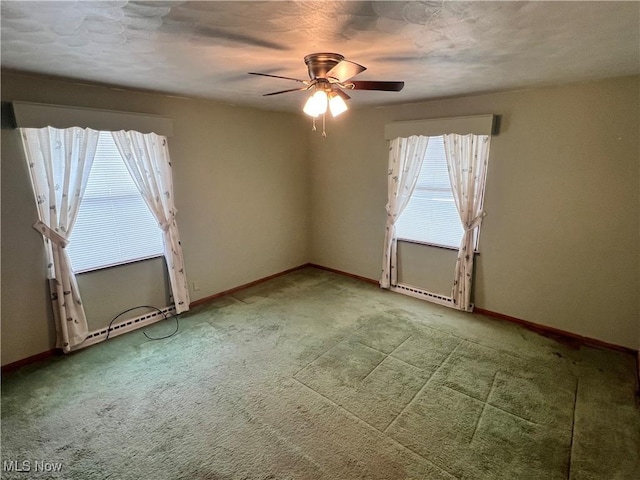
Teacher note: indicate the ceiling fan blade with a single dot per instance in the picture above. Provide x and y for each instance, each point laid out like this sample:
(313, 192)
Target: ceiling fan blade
(278, 76)
(372, 85)
(345, 70)
(285, 91)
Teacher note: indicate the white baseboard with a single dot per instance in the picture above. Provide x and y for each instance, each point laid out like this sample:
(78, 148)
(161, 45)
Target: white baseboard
(125, 326)
(423, 294)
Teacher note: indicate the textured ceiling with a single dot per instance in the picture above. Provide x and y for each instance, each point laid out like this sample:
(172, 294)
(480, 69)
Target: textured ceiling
(205, 49)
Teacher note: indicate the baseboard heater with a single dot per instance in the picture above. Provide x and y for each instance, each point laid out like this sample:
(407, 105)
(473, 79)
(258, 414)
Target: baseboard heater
(423, 295)
(127, 325)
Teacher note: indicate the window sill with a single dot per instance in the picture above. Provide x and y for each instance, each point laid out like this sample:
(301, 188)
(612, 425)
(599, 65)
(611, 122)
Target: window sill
(435, 245)
(127, 262)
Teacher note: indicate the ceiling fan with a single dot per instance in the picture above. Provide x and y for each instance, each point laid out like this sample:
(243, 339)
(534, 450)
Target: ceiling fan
(329, 75)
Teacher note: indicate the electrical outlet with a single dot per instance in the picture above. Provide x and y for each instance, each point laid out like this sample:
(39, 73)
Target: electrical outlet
(196, 286)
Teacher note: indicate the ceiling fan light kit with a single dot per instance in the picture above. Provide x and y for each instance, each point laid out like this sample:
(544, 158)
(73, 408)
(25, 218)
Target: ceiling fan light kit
(316, 104)
(336, 104)
(329, 75)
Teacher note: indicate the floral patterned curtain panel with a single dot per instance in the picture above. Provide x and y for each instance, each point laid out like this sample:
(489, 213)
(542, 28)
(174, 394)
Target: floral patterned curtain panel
(467, 158)
(406, 156)
(147, 159)
(59, 163)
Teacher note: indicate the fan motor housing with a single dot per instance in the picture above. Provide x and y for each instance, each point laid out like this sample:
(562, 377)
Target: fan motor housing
(320, 63)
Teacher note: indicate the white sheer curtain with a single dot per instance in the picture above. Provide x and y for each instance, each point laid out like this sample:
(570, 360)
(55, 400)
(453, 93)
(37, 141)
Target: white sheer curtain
(406, 156)
(147, 159)
(467, 157)
(59, 165)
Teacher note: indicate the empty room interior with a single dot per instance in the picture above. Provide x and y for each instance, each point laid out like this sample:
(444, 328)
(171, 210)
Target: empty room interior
(320, 240)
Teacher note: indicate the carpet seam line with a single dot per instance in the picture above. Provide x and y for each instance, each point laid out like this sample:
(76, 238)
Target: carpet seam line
(484, 407)
(490, 348)
(422, 457)
(374, 368)
(521, 418)
(376, 429)
(386, 355)
(371, 348)
(407, 363)
(462, 393)
(394, 357)
(492, 405)
(402, 343)
(323, 353)
(336, 404)
(421, 388)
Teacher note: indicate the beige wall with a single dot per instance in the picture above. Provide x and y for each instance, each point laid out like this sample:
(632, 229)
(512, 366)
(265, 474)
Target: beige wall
(429, 268)
(257, 194)
(241, 186)
(560, 244)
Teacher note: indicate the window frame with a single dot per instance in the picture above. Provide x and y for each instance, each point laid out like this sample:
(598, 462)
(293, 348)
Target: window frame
(449, 190)
(105, 198)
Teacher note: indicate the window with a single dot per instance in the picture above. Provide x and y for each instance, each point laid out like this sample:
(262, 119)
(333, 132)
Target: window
(431, 216)
(114, 224)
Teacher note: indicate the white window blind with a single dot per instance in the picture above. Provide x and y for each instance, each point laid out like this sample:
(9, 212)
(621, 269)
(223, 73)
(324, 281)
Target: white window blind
(431, 215)
(114, 224)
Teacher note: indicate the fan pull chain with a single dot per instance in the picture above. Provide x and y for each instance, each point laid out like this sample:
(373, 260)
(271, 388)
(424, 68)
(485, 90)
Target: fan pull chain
(313, 128)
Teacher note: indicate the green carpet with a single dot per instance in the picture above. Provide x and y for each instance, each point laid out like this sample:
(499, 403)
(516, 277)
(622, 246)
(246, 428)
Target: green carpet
(314, 375)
